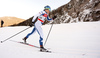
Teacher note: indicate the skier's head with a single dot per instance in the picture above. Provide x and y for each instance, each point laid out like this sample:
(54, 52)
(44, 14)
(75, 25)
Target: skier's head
(48, 8)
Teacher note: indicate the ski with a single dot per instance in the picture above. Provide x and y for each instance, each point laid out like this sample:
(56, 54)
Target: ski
(30, 45)
(46, 51)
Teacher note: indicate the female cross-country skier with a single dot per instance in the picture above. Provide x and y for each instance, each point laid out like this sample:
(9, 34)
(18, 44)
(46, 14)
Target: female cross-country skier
(37, 21)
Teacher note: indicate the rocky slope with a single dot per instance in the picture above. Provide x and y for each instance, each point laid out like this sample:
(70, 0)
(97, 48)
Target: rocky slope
(78, 11)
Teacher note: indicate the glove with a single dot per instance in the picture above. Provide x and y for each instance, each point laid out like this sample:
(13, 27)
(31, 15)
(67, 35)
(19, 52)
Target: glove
(31, 24)
(54, 17)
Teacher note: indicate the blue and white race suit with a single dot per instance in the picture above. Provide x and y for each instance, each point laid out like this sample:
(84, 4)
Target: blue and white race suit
(42, 16)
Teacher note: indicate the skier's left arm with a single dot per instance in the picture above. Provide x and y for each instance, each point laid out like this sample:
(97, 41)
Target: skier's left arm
(49, 19)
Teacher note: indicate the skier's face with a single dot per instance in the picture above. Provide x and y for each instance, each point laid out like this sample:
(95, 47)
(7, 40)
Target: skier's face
(47, 11)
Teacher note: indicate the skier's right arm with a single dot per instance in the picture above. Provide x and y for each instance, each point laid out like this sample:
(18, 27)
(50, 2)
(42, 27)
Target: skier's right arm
(35, 17)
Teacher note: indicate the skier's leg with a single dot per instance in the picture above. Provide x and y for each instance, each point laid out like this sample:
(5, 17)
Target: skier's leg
(41, 41)
(39, 30)
(29, 34)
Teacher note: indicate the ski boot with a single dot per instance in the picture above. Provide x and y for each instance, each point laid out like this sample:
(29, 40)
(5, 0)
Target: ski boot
(24, 39)
(42, 49)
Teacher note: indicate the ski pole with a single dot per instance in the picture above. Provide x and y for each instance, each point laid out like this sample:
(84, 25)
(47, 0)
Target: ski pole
(48, 33)
(14, 35)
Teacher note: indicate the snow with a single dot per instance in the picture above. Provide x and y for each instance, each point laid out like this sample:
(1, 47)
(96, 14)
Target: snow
(72, 40)
(86, 11)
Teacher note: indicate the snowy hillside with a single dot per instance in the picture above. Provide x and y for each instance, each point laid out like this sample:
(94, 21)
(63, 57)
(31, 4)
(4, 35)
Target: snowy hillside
(73, 40)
